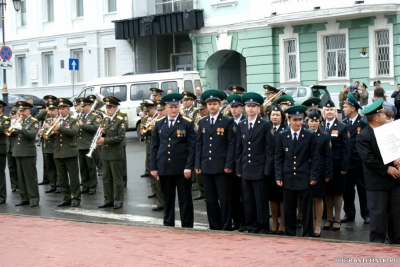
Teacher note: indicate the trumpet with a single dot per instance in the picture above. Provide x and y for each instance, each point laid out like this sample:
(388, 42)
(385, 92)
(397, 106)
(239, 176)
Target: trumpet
(93, 145)
(40, 135)
(12, 129)
(274, 98)
(50, 131)
(147, 127)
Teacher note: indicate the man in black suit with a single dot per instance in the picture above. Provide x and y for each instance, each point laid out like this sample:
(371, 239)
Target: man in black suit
(254, 161)
(172, 153)
(215, 159)
(355, 175)
(381, 181)
(296, 169)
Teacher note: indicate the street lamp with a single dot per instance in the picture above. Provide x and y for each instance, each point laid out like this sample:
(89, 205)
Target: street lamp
(17, 7)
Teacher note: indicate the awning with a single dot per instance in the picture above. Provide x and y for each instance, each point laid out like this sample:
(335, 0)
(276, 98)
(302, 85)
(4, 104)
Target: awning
(159, 24)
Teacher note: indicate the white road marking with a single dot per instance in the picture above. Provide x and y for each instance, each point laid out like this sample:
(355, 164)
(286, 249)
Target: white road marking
(124, 217)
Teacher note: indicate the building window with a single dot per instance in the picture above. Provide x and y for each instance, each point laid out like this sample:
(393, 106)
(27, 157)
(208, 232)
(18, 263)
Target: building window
(48, 10)
(21, 71)
(111, 6)
(48, 69)
(79, 8)
(382, 52)
(78, 75)
(167, 6)
(335, 56)
(110, 62)
(290, 63)
(22, 18)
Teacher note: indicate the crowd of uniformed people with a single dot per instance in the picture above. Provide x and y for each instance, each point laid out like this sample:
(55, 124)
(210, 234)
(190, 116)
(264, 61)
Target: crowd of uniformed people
(251, 161)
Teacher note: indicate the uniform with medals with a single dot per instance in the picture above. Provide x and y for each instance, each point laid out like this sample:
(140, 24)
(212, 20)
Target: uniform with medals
(4, 124)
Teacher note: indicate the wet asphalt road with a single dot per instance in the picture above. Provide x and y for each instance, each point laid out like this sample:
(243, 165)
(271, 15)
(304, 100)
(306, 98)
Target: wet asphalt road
(137, 207)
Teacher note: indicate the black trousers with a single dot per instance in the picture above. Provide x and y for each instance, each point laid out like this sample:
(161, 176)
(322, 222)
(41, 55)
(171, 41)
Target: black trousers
(355, 177)
(217, 191)
(68, 171)
(3, 188)
(290, 205)
(256, 207)
(87, 168)
(51, 167)
(380, 203)
(169, 186)
(236, 200)
(12, 169)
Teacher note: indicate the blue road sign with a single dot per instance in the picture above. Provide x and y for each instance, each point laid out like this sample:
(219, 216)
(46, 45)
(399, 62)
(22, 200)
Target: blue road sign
(73, 64)
(6, 53)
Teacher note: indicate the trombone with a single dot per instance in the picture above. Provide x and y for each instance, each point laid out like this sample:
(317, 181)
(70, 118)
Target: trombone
(9, 131)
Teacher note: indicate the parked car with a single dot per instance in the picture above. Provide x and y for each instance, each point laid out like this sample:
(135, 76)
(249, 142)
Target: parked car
(303, 93)
(14, 98)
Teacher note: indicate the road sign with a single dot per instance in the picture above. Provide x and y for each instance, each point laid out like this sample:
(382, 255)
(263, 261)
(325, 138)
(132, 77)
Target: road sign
(73, 64)
(6, 65)
(5, 53)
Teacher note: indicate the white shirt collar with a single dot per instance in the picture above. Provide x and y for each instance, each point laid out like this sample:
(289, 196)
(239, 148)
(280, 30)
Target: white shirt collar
(298, 132)
(215, 117)
(252, 121)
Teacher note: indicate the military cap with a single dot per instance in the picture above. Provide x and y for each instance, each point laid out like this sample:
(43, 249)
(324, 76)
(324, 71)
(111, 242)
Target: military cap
(296, 111)
(65, 102)
(3, 104)
(212, 94)
(188, 95)
(23, 105)
(270, 89)
(156, 91)
(351, 100)
(14, 110)
(92, 97)
(51, 104)
(75, 102)
(312, 103)
(365, 85)
(329, 104)
(146, 104)
(160, 105)
(376, 107)
(110, 101)
(237, 89)
(201, 104)
(377, 81)
(276, 107)
(235, 100)
(50, 97)
(252, 98)
(285, 100)
(314, 115)
(172, 98)
(84, 101)
(114, 98)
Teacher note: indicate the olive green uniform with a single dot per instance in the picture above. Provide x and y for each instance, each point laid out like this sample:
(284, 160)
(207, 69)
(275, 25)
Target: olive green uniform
(41, 117)
(12, 164)
(4, 124)
(197, 176)
(87, 165)
(48, 150)
(66, 155)
(112, 155)
(25, 155)
(124, 165)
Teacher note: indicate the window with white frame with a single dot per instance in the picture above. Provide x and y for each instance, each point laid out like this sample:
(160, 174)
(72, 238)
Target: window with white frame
(111, 6)
(382, 52)
(21, 71)
(110, 62)
(48, 68)
(48, 10)
(78, 74)
(290, 62)
(22, 14)
(79, 8)
(335, 56)
(167, 6)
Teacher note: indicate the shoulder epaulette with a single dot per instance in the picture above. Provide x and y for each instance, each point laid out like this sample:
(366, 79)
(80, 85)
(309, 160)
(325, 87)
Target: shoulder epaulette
(120, 117)
(94, 113)
(284, 131)
(160, 119)
(5, 117)
(34, 119)
(123, 112)
(73, 117)
(187, 118)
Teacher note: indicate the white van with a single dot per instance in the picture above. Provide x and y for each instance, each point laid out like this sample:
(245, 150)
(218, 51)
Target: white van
(132, 89)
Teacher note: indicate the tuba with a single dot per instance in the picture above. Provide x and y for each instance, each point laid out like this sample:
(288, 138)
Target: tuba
(97, 105)
(12, 129)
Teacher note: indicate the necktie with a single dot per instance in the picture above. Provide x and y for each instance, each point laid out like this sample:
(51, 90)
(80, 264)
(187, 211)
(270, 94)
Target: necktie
(328, 126)
(250, 126)
(294, 139)
(171, 123)
(212, 121)
(351, 122)
(275, 129)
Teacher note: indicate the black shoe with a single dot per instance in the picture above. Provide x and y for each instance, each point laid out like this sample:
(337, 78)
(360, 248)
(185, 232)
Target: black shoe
(157, 208)
(194, 188)
(92, 192)
(58, 191)
(346, 219)
(52, 190)
(100, 173)
(317, 234)
(2, 201)
(75, 204)
(14, 190)
(326, 226)
(84, 191)
(106, 205)
(152, 196)
(63, 204)
(298, 223)
(145, 175)
(242, 228)
(22, 203)
(34, 204)
(43, 183)
(118, 206)
(199, 198)
(366, 220)
(279, 232)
